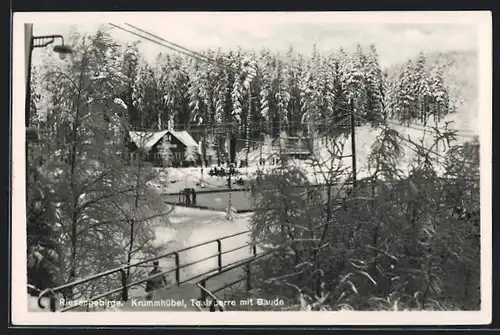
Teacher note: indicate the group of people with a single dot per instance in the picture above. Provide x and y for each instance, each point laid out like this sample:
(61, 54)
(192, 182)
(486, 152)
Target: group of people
(189, 196)
(218, 171)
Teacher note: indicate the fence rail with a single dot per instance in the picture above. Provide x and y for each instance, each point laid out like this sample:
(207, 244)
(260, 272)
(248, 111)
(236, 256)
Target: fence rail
(202, 284)
(124, 288)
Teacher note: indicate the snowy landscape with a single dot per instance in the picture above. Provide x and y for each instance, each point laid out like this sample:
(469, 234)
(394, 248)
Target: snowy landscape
(124, 131)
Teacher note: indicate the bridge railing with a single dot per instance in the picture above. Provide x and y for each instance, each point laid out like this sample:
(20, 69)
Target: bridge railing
(124, 287)
(202, 284)
(214, 299)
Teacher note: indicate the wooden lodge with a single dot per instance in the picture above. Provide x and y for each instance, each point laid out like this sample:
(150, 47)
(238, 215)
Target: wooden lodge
(150, 146)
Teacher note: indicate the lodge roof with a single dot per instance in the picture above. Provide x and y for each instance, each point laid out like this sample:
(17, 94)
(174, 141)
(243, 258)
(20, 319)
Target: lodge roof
(147, 139)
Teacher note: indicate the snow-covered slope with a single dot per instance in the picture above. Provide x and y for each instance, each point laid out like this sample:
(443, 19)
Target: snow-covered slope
(366, 136)
(460, 73)
(461, 77)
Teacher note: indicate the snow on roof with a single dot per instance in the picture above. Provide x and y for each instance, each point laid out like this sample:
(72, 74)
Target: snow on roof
(185, 138)
(146, 139)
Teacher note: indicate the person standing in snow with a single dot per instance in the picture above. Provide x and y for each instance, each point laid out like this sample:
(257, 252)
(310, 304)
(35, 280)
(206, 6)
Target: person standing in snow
(154, 283)
(187, 197)
(193, 196)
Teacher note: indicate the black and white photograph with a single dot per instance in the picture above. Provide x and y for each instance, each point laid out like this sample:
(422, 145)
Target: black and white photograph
(319, 165)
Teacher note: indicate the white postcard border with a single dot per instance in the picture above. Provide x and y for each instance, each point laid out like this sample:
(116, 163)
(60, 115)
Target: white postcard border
(20, 314)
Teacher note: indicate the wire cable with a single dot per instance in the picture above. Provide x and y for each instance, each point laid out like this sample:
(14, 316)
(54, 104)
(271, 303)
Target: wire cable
(197, 54)
(414, 126)
(158, 43)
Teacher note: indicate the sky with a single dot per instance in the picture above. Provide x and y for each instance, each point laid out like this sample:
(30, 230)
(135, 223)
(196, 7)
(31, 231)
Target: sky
(396, 39)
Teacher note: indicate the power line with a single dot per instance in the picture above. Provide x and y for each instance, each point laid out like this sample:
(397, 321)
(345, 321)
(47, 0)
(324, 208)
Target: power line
(159, 43)
(419, 146)
(173, 46)
(211, 60)
(429, 129)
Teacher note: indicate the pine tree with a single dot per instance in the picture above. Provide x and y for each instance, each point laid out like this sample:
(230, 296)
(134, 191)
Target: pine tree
(88, 182)
(221, 88)
(422, 88)
(439, 97)
(250, 70)
(190, 154)
(386, 95)
(352, 69)
(151, 91)
(176, 96)
(295, 64)
(341, 102)
(199, 101)
(131, 61)
(166, 153)
(265, 92)
(374, 82)
(391, 93)
(330, 76)
(405, 104)
(311, 95)
(236, 97)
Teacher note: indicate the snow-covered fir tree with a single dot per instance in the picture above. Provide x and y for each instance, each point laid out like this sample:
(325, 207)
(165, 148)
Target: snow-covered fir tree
(82, 166)
(191, 154)
(439, 97)
(165, 151)
(405, 100)
(374, 85)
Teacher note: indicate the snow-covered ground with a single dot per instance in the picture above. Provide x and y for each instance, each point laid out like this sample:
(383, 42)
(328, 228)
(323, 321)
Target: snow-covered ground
(189, 227)
(173, 180)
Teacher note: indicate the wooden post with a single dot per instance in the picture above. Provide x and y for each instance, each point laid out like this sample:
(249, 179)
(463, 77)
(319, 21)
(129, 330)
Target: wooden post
(232, 154)
(124, 285)
(52, 303)
(177, 270)
(219, 256)
(212, 306)
(203, 295)
(248, 276)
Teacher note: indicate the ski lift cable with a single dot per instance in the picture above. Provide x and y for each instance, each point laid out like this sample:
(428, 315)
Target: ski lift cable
(211, 60)
(159, 43)
(174, 47)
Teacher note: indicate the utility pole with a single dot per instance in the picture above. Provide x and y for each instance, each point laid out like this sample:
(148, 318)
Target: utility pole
(231, 159)
(229, 212)
(353, 144)
(28, 39)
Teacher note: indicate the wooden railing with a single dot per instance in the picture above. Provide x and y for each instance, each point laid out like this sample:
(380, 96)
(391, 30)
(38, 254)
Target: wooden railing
(125, 286)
